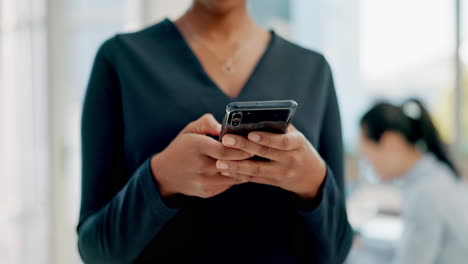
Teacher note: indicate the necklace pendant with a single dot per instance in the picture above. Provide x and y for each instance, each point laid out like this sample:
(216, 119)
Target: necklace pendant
(228, 67)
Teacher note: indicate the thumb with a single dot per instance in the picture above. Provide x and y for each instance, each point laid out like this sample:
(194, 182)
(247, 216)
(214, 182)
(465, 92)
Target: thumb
(206, 124)
(292, 128)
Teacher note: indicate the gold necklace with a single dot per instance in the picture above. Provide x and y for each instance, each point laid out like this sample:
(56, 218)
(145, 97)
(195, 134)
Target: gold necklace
(227, 64)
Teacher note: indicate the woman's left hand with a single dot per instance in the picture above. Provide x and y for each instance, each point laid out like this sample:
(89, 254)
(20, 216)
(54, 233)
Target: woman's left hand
(294, 163)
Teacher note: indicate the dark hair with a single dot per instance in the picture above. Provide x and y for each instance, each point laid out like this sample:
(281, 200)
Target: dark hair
(411, 120)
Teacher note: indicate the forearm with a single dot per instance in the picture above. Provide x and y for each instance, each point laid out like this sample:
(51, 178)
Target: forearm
(119, 231)
(328, 230)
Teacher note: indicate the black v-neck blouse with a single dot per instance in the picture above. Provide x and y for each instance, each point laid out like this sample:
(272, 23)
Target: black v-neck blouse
(147, 86)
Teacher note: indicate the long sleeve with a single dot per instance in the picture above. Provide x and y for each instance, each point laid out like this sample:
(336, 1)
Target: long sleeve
(121, 212)
(329, 234)
(423, 230)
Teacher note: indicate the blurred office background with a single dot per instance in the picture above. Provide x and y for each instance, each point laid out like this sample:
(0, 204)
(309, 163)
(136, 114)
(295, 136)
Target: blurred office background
(377, 48)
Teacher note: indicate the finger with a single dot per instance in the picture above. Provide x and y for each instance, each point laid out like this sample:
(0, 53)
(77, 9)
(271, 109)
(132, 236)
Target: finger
(212, 191)
(242, 143)
(263, 180)
(292, 128)
(250, 168)
(216, 150)
(206, 124)
(250, 178)
(206, 166)
(235, 175)
(218, 179)
(291, 140)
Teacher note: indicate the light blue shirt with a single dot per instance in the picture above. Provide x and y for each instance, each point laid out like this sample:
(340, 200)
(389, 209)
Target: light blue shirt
(435, 215)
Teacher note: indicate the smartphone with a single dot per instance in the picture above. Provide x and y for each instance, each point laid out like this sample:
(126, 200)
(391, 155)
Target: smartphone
(241, 118)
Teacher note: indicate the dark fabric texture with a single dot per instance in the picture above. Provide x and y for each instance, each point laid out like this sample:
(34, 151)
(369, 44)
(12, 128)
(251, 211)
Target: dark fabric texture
(147, 86)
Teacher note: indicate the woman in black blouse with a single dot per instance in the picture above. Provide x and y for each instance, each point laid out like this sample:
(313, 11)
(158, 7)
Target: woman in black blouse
(158, 188)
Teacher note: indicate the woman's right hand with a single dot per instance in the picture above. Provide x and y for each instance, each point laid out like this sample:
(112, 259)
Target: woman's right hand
(188, 165)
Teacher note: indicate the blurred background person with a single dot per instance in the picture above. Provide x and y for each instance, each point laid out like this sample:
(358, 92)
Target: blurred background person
(403, 146)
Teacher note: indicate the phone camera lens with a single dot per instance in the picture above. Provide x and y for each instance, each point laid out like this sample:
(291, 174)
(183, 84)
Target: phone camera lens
(236, 119)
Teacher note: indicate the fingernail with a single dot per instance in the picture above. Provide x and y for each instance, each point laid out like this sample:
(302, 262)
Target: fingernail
(225, 173)
(229, 140)
(222, 165)
(254, 137)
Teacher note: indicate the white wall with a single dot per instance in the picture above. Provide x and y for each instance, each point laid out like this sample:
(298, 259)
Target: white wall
(24, 192)
(155, 10)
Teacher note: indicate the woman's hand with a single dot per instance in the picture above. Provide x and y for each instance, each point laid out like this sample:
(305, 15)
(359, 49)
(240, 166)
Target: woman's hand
(294, 164)
(187, 165)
